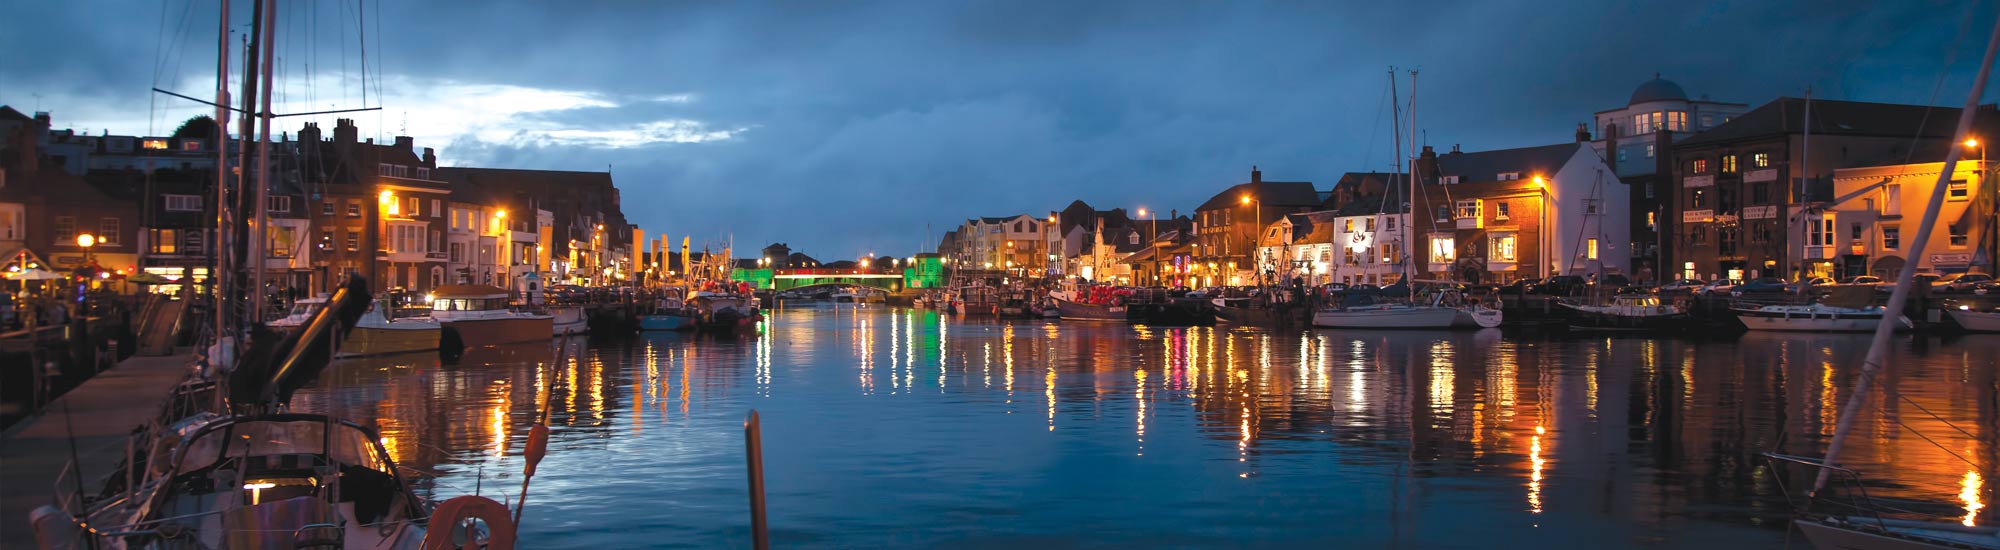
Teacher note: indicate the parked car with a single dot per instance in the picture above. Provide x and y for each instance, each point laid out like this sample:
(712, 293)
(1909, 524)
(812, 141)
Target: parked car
(1959, 282)
(1719, 286)
(1683, 284)
(1862, 280)
(1763, 285)
(1561, 285)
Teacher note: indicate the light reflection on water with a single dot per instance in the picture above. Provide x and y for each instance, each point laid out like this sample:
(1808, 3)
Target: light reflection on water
(1205, 436)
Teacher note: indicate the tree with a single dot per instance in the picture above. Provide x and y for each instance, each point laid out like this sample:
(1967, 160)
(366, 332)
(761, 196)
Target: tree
(201, 127)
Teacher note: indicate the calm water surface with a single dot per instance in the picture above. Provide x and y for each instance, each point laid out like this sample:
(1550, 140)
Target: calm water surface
(900, 428)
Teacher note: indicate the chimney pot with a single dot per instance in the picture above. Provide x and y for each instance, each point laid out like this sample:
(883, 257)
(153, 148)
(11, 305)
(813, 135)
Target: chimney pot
(1256, 176)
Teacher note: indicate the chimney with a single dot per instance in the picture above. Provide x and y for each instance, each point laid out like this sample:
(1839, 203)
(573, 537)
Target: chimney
(310, 133)
(1427, 165)
(406, 143)
(430, 158)
(1256, 176)
(1454, 148)
(42, 117)
(344, 131)
(1582, 132)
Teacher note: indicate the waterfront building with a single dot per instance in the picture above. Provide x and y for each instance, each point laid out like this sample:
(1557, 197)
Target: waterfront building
(1872, 223)
(1636, 140)
(1075, 234)
(1741, 185)
(1168, 260)
(1368, 230)
(44, 207)
(1227, 225)
(1298, 246)
(584, 239)
(377, 209)
(1497, 216)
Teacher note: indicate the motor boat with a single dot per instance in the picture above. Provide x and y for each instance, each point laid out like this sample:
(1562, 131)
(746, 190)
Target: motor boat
(302, 312)
(1847, 309)
(669, 312)
(482, 315)
(569, 320)
(722, 312)
(1441, 313)
(1974, 320)
(376, 334)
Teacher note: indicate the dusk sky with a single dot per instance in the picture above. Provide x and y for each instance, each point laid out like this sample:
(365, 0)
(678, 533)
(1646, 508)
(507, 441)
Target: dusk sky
(848, 127)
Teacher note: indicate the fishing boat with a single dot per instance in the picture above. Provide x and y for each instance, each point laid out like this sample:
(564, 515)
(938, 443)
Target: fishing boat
(669, 312)
(1627, 312)
(569, 320)
(1160, 307)
(376, 334)
(1081, 311)
(846, 296)
(722, 312)
(301, 312)
(1847, 309)
(481, 316)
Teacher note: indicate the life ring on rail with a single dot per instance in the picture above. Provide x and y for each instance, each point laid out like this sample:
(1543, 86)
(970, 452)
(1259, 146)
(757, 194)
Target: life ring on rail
(446, 520)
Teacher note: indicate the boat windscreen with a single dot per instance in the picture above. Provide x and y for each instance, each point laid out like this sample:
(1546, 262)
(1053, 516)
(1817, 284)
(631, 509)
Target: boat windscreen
(350, 445)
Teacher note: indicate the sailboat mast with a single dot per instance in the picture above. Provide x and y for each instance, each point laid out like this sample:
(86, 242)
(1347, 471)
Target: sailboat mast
(1396, 139)
(216, 280)
(1879, 347)
(260, 239)
(1410, 284)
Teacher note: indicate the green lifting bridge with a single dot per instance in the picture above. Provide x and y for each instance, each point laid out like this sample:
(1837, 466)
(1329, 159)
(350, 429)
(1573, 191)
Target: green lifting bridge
(925, 271)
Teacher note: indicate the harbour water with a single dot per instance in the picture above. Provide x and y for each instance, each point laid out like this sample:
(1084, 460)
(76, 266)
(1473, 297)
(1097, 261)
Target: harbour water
(889, 427)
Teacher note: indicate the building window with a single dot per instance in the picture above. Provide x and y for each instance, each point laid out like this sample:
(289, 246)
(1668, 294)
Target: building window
(1677, 121)
(353, 208)
(1500, 210)
(325, 238)
(1892, 200)
(1958, 238)
(1347, 225)
(190, 145)
(414, 203)
(1700, 199)
(1621, 154)
(1509, 176)
(1700, 166)
(1469, 208)
(326, 208)
(1590, 206)
(163, 241)
(1726, 240)
(1729, 164)
(1760, 193)
(183, 203)
(65, 230)
(1590, 249)
(1649, 150)
(1389, 224)
(1448, 180)
(1350, 256)
(1957, 191)
(1643, 123)
(1760, 160)
(1760, 232)
(1698, 234)
(1649, 189)
(436, 206)
(353, 241)
(1504, 247)
(283, 240)
(1707, 121)
(1652, 221)
(1444, 250)
(1443, 214)
(1892, 237)
(156, 144)
(393, 170)
(423, 173)
(107, 231)
(278, 205)
(1819, 232)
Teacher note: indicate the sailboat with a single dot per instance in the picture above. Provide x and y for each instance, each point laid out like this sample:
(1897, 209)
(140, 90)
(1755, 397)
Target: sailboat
(1857, 523)
(1439, 313)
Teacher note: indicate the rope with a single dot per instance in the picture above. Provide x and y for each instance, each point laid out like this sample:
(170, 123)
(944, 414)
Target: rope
(1934, 443)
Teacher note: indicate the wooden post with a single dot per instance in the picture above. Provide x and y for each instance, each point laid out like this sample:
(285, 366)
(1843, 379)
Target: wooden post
(753, 447)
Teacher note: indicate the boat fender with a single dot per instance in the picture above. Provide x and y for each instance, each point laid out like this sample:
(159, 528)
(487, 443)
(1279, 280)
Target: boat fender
(447, 523)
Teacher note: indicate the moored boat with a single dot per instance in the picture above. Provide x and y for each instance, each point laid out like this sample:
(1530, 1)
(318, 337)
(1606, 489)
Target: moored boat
(1627, 312)
(482, 316)
(1974, 320)
(722, 312)
(376, 334)
(301, 312)
(569, 320)
(1079, 311)
(1847, 309)
(669, 312)
(1439, 314)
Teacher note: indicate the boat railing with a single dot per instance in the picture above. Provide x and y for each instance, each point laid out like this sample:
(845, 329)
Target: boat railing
(1850, 501)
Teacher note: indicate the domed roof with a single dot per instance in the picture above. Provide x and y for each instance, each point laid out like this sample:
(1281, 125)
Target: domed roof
(1657, 89)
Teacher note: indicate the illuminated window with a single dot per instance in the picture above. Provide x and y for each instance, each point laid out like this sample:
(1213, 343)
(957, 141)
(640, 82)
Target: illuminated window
(1699, 200)
(413, 210)
(283, 239)
(154, 143)
(1652, 221)
(1729, 164)
(1444, 250)
(353, 208)
(1649, 150)
(1701, 166)
(1590, 249)
(1469, 208)
(1347, 225)
(1760, 160)
(1677, 121)
(1504, 247)
(164, 241)
(190, 145)
(353, 241)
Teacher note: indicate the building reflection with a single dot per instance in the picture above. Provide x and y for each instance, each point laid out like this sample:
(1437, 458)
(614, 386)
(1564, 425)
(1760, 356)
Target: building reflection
(1558, 424)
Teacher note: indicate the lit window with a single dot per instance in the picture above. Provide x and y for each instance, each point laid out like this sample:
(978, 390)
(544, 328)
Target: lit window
(154, 143)
(1701, 166)
(1504, 247)
(190, 145)
(1444, 250)
(1760, 160)
(1469, 208)
(353, 208)
(1590, 249)
(1729, 164)
(1677, 121)
(1649, 150)
(1652, 221)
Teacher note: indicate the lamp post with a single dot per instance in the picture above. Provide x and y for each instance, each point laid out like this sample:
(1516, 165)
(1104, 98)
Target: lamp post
(1542, 230)
(85, 352)
(1256, 234)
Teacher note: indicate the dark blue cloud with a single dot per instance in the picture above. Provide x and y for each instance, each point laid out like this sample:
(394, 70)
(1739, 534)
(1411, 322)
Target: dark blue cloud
(864, 122)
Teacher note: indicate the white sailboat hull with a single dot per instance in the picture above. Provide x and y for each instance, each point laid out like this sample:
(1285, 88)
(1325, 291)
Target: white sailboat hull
(1864, 534)
(1386, 317)
(1976, 321)
(1815, 318)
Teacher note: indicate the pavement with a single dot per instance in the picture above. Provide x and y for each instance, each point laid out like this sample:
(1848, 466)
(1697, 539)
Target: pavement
(100, 413)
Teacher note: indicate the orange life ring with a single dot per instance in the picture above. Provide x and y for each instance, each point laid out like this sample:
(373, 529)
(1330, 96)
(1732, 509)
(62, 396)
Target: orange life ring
(445, 520)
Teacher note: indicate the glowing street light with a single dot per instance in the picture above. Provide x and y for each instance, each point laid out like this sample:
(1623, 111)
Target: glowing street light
(1971, 142)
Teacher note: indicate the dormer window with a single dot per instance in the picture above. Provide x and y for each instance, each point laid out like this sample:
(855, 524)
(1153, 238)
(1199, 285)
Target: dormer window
(190, 145)
(393, 170)
(1469, 208)
(423, 173)
(1505, 176)
(156, 144)
(1448, 180)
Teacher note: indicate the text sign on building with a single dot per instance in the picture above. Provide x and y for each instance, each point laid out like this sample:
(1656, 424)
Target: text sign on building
(1694, 216)
(1698, 181)
(1951, 259)
(1760, 212)
(1767, 174)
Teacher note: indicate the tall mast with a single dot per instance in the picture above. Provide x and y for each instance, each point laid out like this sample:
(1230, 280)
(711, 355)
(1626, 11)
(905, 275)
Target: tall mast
(217, 280)
(260, 238)
(1396, 139)
(1411, 285)
(1878, 348)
